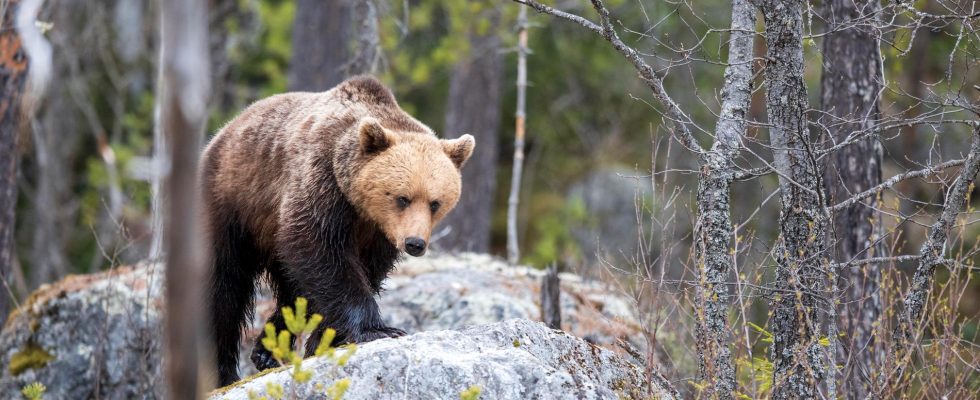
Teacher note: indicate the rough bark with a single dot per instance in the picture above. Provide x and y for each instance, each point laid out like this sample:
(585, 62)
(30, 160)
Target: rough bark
(13, 75)
(912, 321)
(551, 298)
(331, 41)
(800, 251)
(183, 114)
(713, 231)
(474, 108)
(850, 85)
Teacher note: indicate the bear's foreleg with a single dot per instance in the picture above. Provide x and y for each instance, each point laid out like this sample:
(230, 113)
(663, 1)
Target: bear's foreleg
(285, 297)
(235, 266)
(346, 300)
(316, 246)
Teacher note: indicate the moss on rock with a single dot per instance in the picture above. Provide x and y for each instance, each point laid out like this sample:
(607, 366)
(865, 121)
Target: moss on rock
(31, 356)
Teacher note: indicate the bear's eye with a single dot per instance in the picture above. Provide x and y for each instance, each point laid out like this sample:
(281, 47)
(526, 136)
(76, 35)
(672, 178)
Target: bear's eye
(434, 206)
(403, 202)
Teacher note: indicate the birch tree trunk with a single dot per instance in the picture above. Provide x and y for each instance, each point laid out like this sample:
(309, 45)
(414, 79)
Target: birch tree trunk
(332, 40)
(13, 75)
(713, 231)
(474, 108)
(800, 252)
(184, 89)
(517, 171)
(850, 85)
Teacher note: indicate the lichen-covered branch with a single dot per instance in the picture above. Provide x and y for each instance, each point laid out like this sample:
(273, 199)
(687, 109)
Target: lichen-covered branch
(713, 231)
(930, 256)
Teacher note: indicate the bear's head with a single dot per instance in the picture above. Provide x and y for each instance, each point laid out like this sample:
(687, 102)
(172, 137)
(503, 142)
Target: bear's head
(406, 182)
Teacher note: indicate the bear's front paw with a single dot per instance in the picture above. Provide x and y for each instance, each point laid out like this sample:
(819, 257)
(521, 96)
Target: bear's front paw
(262, 359)
(375, 334)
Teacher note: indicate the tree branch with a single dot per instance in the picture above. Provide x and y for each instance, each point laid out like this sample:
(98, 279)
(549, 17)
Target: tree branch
(930, 256)
(893, 181)
(605, 29)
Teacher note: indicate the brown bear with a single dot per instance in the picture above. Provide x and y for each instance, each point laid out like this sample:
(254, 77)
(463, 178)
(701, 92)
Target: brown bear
(321, 192)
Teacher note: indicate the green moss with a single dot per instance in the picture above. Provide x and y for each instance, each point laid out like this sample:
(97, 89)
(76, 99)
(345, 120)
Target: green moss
(223, 390)
(32, 356)
(517, 343)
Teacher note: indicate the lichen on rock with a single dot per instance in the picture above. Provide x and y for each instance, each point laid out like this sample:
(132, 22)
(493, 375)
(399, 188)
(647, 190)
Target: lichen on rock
(441, 364)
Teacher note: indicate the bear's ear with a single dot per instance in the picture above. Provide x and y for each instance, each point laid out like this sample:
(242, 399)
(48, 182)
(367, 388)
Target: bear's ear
(374, 137)
(460, 149)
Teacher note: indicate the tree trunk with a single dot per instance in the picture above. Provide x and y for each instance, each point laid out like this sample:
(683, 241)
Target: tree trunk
(850, 84)
(184, 90)
(474, 108)
(551, 298)
(800, 251)
(13, 75)
(713, 230)
(333, 40)
(56, 141)
(517, 163)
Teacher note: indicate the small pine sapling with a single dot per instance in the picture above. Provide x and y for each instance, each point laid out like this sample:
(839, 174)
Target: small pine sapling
(34, 391)
(300, 326)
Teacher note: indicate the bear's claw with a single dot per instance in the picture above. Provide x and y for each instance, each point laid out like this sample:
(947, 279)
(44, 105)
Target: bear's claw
(262, 359)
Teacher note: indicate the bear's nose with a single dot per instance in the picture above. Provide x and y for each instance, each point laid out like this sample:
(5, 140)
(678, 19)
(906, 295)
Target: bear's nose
(415, 246)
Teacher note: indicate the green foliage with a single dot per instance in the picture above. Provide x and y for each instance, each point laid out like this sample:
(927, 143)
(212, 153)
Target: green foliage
(471, 393)
(34, 391)
(759, 370)
(552, 238)
(766, 335)
(300, 326)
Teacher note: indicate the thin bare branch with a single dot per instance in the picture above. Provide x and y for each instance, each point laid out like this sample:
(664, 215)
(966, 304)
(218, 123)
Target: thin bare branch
(681, 121)
(894, 181)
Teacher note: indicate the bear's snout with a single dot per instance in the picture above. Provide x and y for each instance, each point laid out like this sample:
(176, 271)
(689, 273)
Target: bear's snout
(415, 246)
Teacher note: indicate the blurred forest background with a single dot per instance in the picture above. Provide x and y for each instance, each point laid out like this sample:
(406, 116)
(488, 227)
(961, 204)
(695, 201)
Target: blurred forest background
(605, 191)
(85, 180)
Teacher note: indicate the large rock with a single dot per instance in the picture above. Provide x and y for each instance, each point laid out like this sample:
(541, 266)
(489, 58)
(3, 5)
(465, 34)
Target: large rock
(515, 359)
(609, 196)
(98, 335)
(88, 336)
(449, 292)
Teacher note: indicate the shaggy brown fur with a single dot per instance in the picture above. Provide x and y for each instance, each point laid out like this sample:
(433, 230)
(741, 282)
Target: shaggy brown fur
(321, 191)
